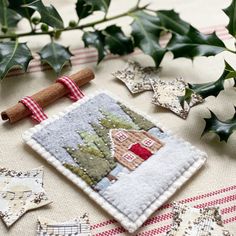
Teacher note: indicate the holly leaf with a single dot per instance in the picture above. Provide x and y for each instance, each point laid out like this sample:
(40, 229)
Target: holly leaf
(85, 8)
(230, 11)
(171, 21)
(222, 128)
(18, 7)
(214, 88)
(186, 98)
(95, 39)
(116, 41)
(55, 55)
(13, 54)
(12, 18)
(195, 44)
(49, 14)
(146, 31)
(8, 17)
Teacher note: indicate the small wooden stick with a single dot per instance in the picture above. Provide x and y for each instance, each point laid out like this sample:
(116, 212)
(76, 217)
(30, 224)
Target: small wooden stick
(47, 96)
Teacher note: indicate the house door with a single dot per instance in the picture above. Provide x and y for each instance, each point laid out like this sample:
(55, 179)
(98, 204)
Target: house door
(140, 151)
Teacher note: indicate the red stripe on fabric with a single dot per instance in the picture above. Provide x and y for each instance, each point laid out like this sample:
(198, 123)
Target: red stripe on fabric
(167, 216)
(191, 199)
(229, 220)
(228, 210)
(152, 232)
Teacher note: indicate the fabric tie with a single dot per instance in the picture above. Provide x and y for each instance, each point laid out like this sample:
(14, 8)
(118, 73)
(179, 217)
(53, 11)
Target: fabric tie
(37, 112)
(75, 92)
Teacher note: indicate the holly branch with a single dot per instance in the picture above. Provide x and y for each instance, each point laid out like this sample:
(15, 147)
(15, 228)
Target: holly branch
(147, 28)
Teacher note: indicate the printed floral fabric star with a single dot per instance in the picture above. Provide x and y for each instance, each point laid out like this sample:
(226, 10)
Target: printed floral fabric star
(136, 77)
(20, 192)
(189, 221)
(79, 226)
(167, 93)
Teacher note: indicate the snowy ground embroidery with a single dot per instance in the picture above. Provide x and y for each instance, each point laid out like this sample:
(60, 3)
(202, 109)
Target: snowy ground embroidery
(20, 192)
(127, 163)
(190, 221)
(78, 226)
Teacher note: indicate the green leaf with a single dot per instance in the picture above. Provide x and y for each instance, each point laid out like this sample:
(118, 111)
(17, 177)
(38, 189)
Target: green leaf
(172, 22)
(214, 88)
(49, 14)
(97, 40)
(3, 13)
(195, 44)
(55, 55)
(187, 97)
(116, 41)
(12, 18)
(231, 73)
(8, 17)
(13, 54)
(146, 31)
(223, 128)
(18, 7)
(85, 8)
(231, 13)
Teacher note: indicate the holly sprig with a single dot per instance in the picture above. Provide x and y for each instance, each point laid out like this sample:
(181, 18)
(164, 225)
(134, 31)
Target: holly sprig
(147, 28)
(213, 124)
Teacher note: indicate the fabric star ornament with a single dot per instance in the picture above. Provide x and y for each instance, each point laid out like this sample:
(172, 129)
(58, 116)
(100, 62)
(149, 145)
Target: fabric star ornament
(78, 226)
(189, 221)
(167, 94)
(136, 77)
(20, 192)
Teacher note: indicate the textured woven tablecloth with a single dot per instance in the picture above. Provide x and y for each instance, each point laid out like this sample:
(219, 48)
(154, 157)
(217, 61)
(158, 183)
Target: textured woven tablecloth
(215, 184)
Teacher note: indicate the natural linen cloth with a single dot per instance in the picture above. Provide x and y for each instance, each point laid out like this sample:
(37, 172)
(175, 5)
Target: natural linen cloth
(215, 184)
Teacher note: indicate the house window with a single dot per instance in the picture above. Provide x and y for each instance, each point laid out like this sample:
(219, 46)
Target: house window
(148, 142)
(121, 136)
(129, 157)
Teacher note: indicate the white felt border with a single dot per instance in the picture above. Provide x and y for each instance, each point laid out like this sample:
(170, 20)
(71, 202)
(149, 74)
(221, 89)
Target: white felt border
(124, 220)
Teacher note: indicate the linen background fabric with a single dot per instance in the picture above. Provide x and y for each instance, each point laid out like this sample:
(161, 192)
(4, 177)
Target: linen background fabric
(213, 184)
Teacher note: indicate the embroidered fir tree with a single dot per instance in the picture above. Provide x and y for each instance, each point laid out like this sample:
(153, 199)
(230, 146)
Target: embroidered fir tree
(139, 120)
(95, 167)
(111, 121)
(94, 156)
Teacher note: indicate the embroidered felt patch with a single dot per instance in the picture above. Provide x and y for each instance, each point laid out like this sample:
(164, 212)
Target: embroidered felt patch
(78, 226)
(189, 221)
(120, 158)
(20, 192)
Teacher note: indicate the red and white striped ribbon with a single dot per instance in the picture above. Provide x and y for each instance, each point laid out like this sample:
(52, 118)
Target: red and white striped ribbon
(37, 112)
(75, 92)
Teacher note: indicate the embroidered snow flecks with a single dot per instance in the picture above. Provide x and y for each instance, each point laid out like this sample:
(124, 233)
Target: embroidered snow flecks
(120, 158)
(78, 226)
(189, 221)
(20, 192)
(167, 93)
(137, 78)
(112, 141)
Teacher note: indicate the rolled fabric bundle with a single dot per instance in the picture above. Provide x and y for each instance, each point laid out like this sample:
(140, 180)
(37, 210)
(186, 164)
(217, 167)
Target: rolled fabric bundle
(46, 96)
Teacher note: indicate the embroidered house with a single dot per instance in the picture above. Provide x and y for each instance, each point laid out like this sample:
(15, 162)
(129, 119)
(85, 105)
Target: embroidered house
(132, 147)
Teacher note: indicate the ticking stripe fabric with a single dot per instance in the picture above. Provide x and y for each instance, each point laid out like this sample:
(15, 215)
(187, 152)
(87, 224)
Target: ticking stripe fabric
(37, 112)
(161, 222)
(75, 92)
